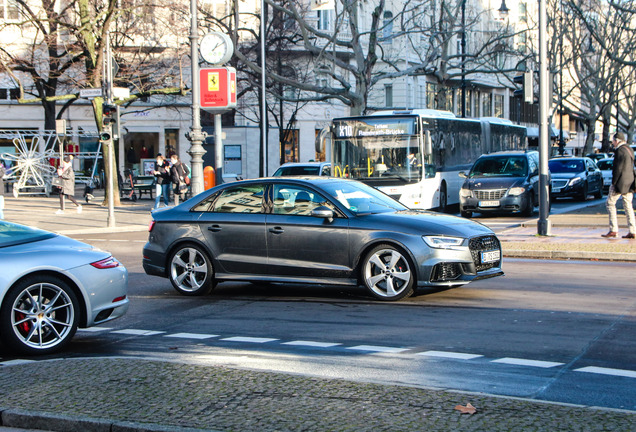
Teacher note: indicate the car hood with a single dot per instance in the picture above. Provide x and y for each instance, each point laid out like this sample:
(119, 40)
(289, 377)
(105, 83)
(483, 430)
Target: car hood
(556, 176)
(493, 182)
(429, 223)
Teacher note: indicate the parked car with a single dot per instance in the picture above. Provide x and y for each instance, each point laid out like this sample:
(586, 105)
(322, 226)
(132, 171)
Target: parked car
(501, 182)
(598, 156)
(605, 165)
(319, 230)
(50, 285)
(304, 169)
(575, 177)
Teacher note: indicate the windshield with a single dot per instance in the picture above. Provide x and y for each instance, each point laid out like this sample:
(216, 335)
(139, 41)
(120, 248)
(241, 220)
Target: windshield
(605, 165)
(504, 166)
(297, 170)
(360, 198)
(380, 157)
(566, 166)
(13, 234)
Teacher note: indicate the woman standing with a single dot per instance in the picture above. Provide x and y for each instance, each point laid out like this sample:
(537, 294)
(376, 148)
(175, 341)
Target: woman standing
(179, 173)
(162, 175)
(66, 173)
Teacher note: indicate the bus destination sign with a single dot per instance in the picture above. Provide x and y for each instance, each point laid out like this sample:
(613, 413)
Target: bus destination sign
(371, 126)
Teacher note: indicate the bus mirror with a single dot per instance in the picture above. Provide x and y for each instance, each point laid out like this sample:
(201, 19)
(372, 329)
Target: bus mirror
(428, 144)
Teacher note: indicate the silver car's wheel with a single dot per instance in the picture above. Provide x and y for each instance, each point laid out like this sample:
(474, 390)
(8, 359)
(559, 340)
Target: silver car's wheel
(39, 315)
(191, 272)
(387, 274)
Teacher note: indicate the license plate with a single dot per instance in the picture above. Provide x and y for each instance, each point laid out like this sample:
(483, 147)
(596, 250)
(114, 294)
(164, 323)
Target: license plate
(490, 256)
(488, 203)
(556, 189)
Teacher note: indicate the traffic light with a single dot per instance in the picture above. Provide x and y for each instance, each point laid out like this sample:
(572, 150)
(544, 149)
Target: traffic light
(109, 111)
(105, 135)
(527, 87)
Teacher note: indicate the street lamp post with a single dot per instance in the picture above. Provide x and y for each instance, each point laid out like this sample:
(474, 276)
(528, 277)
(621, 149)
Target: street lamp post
(543, 225)
(196, 135)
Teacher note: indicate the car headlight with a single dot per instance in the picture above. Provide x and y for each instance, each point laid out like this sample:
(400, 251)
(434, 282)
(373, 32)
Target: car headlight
(442, 242)
(575, 180)
(465, 193)
(516, 191)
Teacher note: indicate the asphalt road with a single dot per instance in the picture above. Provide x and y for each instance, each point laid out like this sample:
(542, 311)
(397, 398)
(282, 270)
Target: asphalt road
(550, 330)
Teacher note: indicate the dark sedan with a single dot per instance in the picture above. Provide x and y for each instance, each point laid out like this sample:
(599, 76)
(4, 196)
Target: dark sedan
(315, 230)
(575, 177)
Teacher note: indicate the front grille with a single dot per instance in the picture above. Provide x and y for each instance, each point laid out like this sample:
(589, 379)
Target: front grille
(443, 272)
(481, 244)
(489, 194)
(558, 184)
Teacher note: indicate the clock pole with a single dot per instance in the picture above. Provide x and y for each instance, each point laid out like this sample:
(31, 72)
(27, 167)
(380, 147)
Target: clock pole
(196, 135)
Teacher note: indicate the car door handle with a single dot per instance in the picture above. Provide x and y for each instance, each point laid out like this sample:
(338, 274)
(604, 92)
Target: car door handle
(276, 230)
(214, 228)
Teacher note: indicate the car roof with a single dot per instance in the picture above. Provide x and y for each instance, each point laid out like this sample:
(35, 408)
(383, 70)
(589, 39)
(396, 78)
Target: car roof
(510, 153)
(288, 164)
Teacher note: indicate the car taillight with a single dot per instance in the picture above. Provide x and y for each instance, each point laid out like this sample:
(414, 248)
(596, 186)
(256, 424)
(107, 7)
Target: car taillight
(151, 225)
(107, 263)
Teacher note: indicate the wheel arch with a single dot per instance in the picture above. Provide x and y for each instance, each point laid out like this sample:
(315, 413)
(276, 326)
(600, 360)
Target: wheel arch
(180, 242)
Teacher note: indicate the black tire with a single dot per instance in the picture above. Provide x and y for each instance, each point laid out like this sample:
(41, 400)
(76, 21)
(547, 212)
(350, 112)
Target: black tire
(443, 198)
(385, 281)
(39, 315)
(599, 193)
(190, 270)
(466, 214)
(584, 193)
(529, 208)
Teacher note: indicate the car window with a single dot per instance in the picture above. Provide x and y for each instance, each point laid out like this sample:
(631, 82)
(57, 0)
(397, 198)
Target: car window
(297, 200)
(13, 234)
(605, 165)
(236, 199)
(566, 166)
(512, 166)
(326, 170)
(360, 198)
(534, 165)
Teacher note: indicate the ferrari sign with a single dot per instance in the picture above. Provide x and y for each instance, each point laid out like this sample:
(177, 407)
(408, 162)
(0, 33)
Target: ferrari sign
(218, 89)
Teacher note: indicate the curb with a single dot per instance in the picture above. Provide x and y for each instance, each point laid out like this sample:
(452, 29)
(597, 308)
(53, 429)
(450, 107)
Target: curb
(64, 423)
(567, 255)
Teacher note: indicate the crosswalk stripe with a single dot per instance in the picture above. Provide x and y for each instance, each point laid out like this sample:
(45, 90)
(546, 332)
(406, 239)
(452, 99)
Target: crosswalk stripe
(375, 348)
(248, 339)
(527, 362)
(191, 336)
(311, 344)
(137, 332)
(608, 371)
(450, 354)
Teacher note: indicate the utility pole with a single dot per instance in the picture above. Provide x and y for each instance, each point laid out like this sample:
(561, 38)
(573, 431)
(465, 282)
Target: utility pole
(108, 142)
(543, 225)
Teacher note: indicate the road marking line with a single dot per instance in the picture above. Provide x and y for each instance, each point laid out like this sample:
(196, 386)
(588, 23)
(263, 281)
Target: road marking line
(450, 354)
(95, 329)
(526, 362)
(375, 348)
(608, 371)
(311, 344)
(191, 336)
(248, 339)
(136, 332)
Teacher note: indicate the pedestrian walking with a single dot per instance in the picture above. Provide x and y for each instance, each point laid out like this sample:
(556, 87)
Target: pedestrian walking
(3, 172)
(67, 188)
(622, 187)
(163, 178)
(180, 179)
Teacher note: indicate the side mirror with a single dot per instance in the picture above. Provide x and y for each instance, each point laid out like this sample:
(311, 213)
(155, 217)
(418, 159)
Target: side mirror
(462, 174)
(323, 212)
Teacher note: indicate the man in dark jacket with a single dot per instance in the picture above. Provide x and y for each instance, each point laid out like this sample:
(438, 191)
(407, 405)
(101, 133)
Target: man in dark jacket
(179, 171)
(622, 187)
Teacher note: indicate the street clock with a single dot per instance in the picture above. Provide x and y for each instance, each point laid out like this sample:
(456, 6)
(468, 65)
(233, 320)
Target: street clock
(216, 48)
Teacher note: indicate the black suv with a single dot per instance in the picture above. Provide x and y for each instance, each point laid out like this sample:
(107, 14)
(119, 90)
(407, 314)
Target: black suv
(502, 182)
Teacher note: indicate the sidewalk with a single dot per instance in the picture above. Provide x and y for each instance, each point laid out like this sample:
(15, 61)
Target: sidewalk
(131, 394)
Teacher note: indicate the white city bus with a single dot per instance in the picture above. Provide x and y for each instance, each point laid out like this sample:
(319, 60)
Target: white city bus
(416, 155)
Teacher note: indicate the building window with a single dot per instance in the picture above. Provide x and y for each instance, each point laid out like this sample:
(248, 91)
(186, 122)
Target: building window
(387, 28)
(388, 95)
(431, 95)
(10, 10)
(486, 106)
(323, 19)
(469, 103)
(499, 106)
(289, 146)
(523, 12)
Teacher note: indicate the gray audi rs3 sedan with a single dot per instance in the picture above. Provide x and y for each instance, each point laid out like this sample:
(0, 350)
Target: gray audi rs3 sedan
(315, 230)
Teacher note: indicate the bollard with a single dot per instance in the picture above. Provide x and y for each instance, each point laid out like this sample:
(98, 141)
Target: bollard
(209, 179)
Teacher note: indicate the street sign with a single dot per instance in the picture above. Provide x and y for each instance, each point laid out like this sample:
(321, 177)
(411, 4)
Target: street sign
(60, 126)
(90, 93)
(121, 92)
(218, 89)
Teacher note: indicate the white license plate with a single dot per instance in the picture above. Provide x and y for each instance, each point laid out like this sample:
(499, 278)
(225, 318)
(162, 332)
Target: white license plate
(490, 256)
(556, 189)
(488, 203)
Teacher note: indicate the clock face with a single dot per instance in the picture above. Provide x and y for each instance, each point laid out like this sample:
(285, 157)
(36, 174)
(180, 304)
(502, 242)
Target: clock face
(216, 48)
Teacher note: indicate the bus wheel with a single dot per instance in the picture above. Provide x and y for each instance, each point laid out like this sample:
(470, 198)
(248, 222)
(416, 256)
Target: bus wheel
(443, 199)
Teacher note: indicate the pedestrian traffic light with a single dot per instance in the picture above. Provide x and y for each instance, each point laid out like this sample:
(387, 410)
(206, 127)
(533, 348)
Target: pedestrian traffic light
(527, 87)
(109, 111)
(105, 135)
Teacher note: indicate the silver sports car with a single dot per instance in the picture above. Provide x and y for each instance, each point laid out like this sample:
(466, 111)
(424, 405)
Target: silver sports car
(50, 285)
(315, 230)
